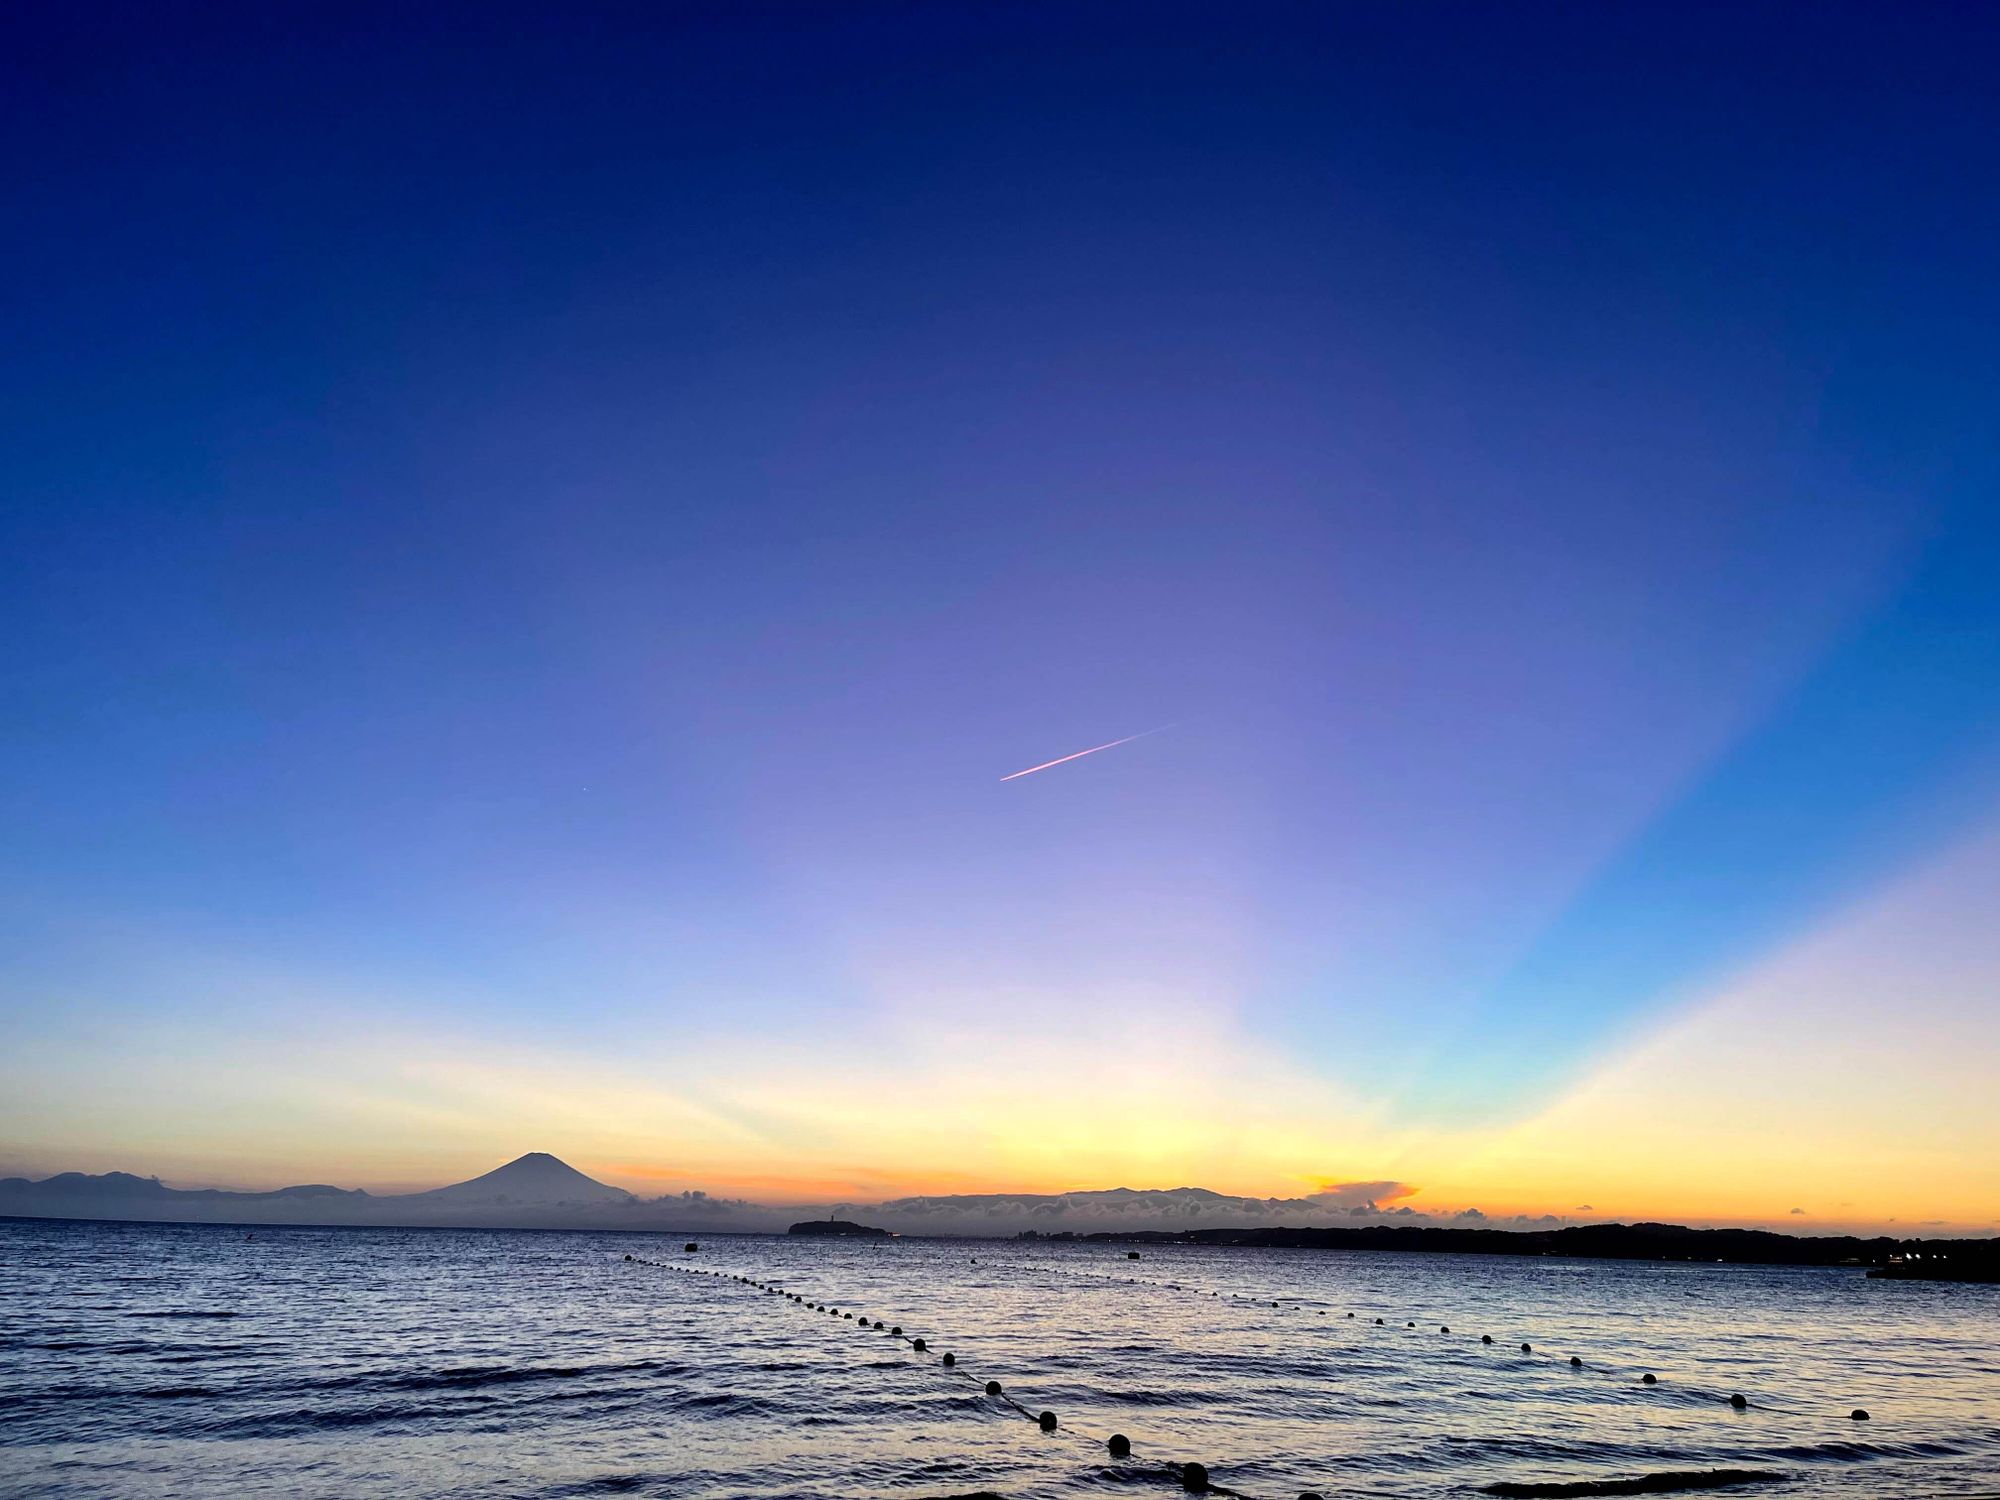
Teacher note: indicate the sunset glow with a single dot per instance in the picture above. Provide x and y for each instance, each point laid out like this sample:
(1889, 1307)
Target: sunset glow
(516, 607)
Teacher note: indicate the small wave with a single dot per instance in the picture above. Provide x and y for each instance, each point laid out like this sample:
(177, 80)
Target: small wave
(1864, 1452)
(182, 1313)
(463, 1377)
(1645, 1484)
(1159, 1398)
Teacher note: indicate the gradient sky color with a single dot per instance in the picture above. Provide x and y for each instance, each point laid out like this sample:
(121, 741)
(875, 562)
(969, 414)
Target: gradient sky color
(531, 536)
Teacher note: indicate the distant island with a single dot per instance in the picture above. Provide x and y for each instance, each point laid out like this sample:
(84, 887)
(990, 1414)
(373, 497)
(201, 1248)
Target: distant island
(838, 1229)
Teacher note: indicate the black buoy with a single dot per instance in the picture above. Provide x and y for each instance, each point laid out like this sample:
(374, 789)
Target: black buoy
(1738, 1401)
(1409, 1325)
(878, 1324)
(1527, 1348)
(1120, 1445)
(628, 1257)
(1443, 1328)
(690, 1247)
(1649, 1379)
(1378, 1322)
(919, 1345)
(1048, 1421)
(1350, 1315)
(1194, 1478)
(1485, 1338)
(1310, 1495)
(897, 1330)
(1859, 1414)
(992, 1387)
(951, 1359)
(1575, 1363)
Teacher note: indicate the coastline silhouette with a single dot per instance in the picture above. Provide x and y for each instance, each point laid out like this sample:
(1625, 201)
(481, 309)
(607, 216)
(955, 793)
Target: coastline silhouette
(541, 1191)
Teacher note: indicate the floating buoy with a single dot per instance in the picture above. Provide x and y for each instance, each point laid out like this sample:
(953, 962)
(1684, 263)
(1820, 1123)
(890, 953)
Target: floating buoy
(1131, 1254)
(1406, 1325)
(1120, 1445)
(628, 1257)
(1048, 1421)
(1575, 1363)
(1378, 1322)
(690, 1247)
(1485, 1338)
(951, 1359)
(1738, 1401)
(1527, 1348)
(1443, 1328)
(1310, 1495)
(992, 1387)
(1649, 1379)
(1859, 1414)
(1194, 1478)
(919, 1345)
(897, 1330)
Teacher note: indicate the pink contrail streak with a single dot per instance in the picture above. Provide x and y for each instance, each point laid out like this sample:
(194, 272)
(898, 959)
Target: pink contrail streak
(1079, 755)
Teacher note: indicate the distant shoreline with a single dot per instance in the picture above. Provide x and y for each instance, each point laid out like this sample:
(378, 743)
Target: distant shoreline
(1913, 1260)
(1976, 1261)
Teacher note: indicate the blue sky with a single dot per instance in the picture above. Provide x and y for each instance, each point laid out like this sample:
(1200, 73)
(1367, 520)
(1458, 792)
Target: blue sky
(547, 528)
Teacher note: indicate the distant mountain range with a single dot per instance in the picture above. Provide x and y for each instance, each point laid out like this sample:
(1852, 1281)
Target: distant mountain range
(538, 1191)
(535, 1191)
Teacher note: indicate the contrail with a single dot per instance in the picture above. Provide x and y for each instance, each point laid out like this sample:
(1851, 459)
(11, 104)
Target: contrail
(1079, 755)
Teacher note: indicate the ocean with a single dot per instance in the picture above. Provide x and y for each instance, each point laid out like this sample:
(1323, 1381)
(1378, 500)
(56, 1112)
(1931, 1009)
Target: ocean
(144, 1360)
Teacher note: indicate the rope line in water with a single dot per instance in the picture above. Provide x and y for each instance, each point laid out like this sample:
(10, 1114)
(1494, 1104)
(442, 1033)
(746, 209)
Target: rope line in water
(1736, 1401)
(1193, 1477)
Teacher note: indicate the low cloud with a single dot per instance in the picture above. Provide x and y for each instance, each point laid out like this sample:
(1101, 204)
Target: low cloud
(1353, 1194)
(1116, 1209)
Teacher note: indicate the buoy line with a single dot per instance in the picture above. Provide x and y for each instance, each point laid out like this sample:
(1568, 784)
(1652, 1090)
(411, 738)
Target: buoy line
(1193, 1477)
(1736, 1401)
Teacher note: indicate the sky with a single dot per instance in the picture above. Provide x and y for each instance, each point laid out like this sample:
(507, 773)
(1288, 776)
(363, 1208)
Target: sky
(532, 536)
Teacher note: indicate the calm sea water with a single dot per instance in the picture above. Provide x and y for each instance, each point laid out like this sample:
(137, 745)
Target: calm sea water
(147, 1360)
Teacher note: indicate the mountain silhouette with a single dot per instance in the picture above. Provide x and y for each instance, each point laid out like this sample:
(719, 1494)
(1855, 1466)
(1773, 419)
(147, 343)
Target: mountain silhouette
(535, 1179)
(532, 1191)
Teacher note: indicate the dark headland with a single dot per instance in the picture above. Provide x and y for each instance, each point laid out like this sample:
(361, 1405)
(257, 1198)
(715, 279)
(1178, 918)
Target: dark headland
(838, 1229)
(1892, 1259)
